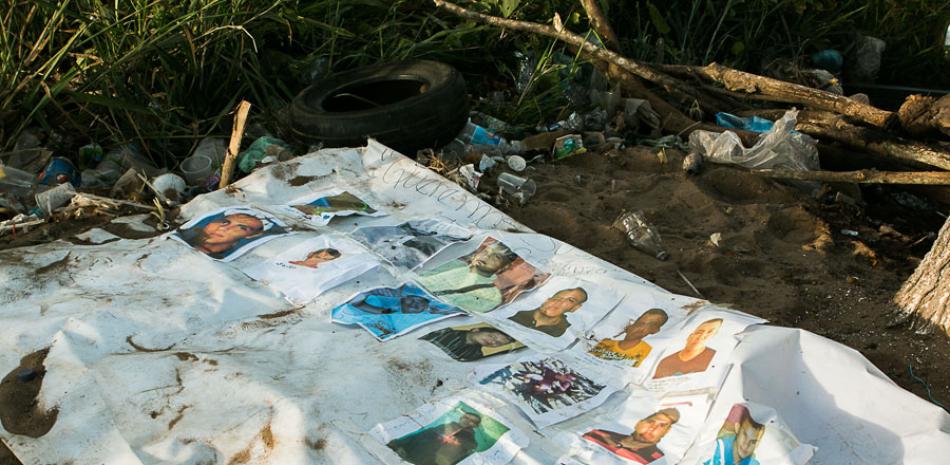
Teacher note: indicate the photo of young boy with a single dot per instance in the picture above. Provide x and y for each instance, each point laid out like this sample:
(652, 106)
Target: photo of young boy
(312, 266)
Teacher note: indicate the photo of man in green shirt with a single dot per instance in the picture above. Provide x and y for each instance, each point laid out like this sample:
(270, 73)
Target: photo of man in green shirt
(472, 282)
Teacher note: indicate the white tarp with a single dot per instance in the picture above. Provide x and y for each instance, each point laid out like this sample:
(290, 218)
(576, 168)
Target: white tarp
(160, 355)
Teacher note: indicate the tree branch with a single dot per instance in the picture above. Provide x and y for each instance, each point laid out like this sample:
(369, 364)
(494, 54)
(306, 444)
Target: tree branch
(670, 84)
(780, 91)
(600, 23)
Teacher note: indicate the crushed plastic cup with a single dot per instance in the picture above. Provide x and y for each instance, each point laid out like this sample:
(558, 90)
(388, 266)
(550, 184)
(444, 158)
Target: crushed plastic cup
(641, 235)
(170, 186)
(54, 198)
(517, 187)
(517, 163)
(196, 169)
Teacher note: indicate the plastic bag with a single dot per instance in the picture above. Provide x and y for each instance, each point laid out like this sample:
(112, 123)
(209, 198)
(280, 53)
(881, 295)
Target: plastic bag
(780, 147)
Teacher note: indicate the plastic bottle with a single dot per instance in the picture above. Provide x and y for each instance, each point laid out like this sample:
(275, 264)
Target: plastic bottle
(641, 235)
(521, 189)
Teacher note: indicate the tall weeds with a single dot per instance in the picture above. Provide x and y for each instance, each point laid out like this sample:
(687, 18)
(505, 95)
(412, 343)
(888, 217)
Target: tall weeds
(165, 73)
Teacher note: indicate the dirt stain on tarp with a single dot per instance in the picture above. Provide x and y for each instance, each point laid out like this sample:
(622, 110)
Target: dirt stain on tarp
(56, 266)
(19, 412)
(301, 180)
(267, 438)
(281, 314)
(178, 416)
(139, 348)
(316, 444)
(186, 356)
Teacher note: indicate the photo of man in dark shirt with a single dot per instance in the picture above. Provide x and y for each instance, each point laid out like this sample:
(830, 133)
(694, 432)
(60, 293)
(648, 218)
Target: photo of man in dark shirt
(551, 317)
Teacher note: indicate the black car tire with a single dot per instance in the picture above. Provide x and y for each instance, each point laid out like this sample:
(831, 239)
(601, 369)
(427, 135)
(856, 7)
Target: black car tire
(407, 106)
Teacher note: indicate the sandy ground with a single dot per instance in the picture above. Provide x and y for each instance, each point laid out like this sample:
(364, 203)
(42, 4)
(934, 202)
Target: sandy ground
(765, 263)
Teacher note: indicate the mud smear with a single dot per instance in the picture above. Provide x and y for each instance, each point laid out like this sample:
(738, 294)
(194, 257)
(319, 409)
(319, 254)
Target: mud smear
(282, 171)
(316, 444)
(19, 412)
(57, 266)
(281, 314)
(301, 180)
(139, 348)
(77, 241)
(178, 416)
(267, 438)
(186, 356)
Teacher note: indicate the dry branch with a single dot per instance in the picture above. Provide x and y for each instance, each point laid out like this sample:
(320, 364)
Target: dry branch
(600, 23)
(237, 132)
(933, 178)
(780, 91)
(671, 85)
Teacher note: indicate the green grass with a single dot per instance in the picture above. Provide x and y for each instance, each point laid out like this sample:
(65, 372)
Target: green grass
(165, 73)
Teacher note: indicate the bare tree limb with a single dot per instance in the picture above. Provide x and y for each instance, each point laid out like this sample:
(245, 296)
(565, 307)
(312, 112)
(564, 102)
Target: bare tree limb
(671, 85)
(781, 91)
(600, 23)
(933, 178)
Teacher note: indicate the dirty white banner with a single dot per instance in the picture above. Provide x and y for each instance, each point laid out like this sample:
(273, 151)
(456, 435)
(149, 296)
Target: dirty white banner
(217, 344)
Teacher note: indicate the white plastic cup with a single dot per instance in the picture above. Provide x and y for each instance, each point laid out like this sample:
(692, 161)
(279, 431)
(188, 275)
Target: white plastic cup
(170, 186)
(196, 169)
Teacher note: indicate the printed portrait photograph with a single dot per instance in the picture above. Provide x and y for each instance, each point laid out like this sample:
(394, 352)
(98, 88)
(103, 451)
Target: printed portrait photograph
(557, 313)
(457, 434)
(472, 342)
(387, 312)
(228, 233)
(628, 344)
(543, 385)
(312, 266)
(410, 244)
(335, 204)
(641, 443)
(737, 439)
(483, 280)
(316, 257)
(695, 355)
(551, 316)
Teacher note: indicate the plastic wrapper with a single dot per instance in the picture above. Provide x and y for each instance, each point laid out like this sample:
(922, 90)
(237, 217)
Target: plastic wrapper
(780, 147)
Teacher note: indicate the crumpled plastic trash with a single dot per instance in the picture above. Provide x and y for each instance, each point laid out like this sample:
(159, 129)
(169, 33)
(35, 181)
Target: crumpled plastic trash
(780, 147)
(262, 148)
